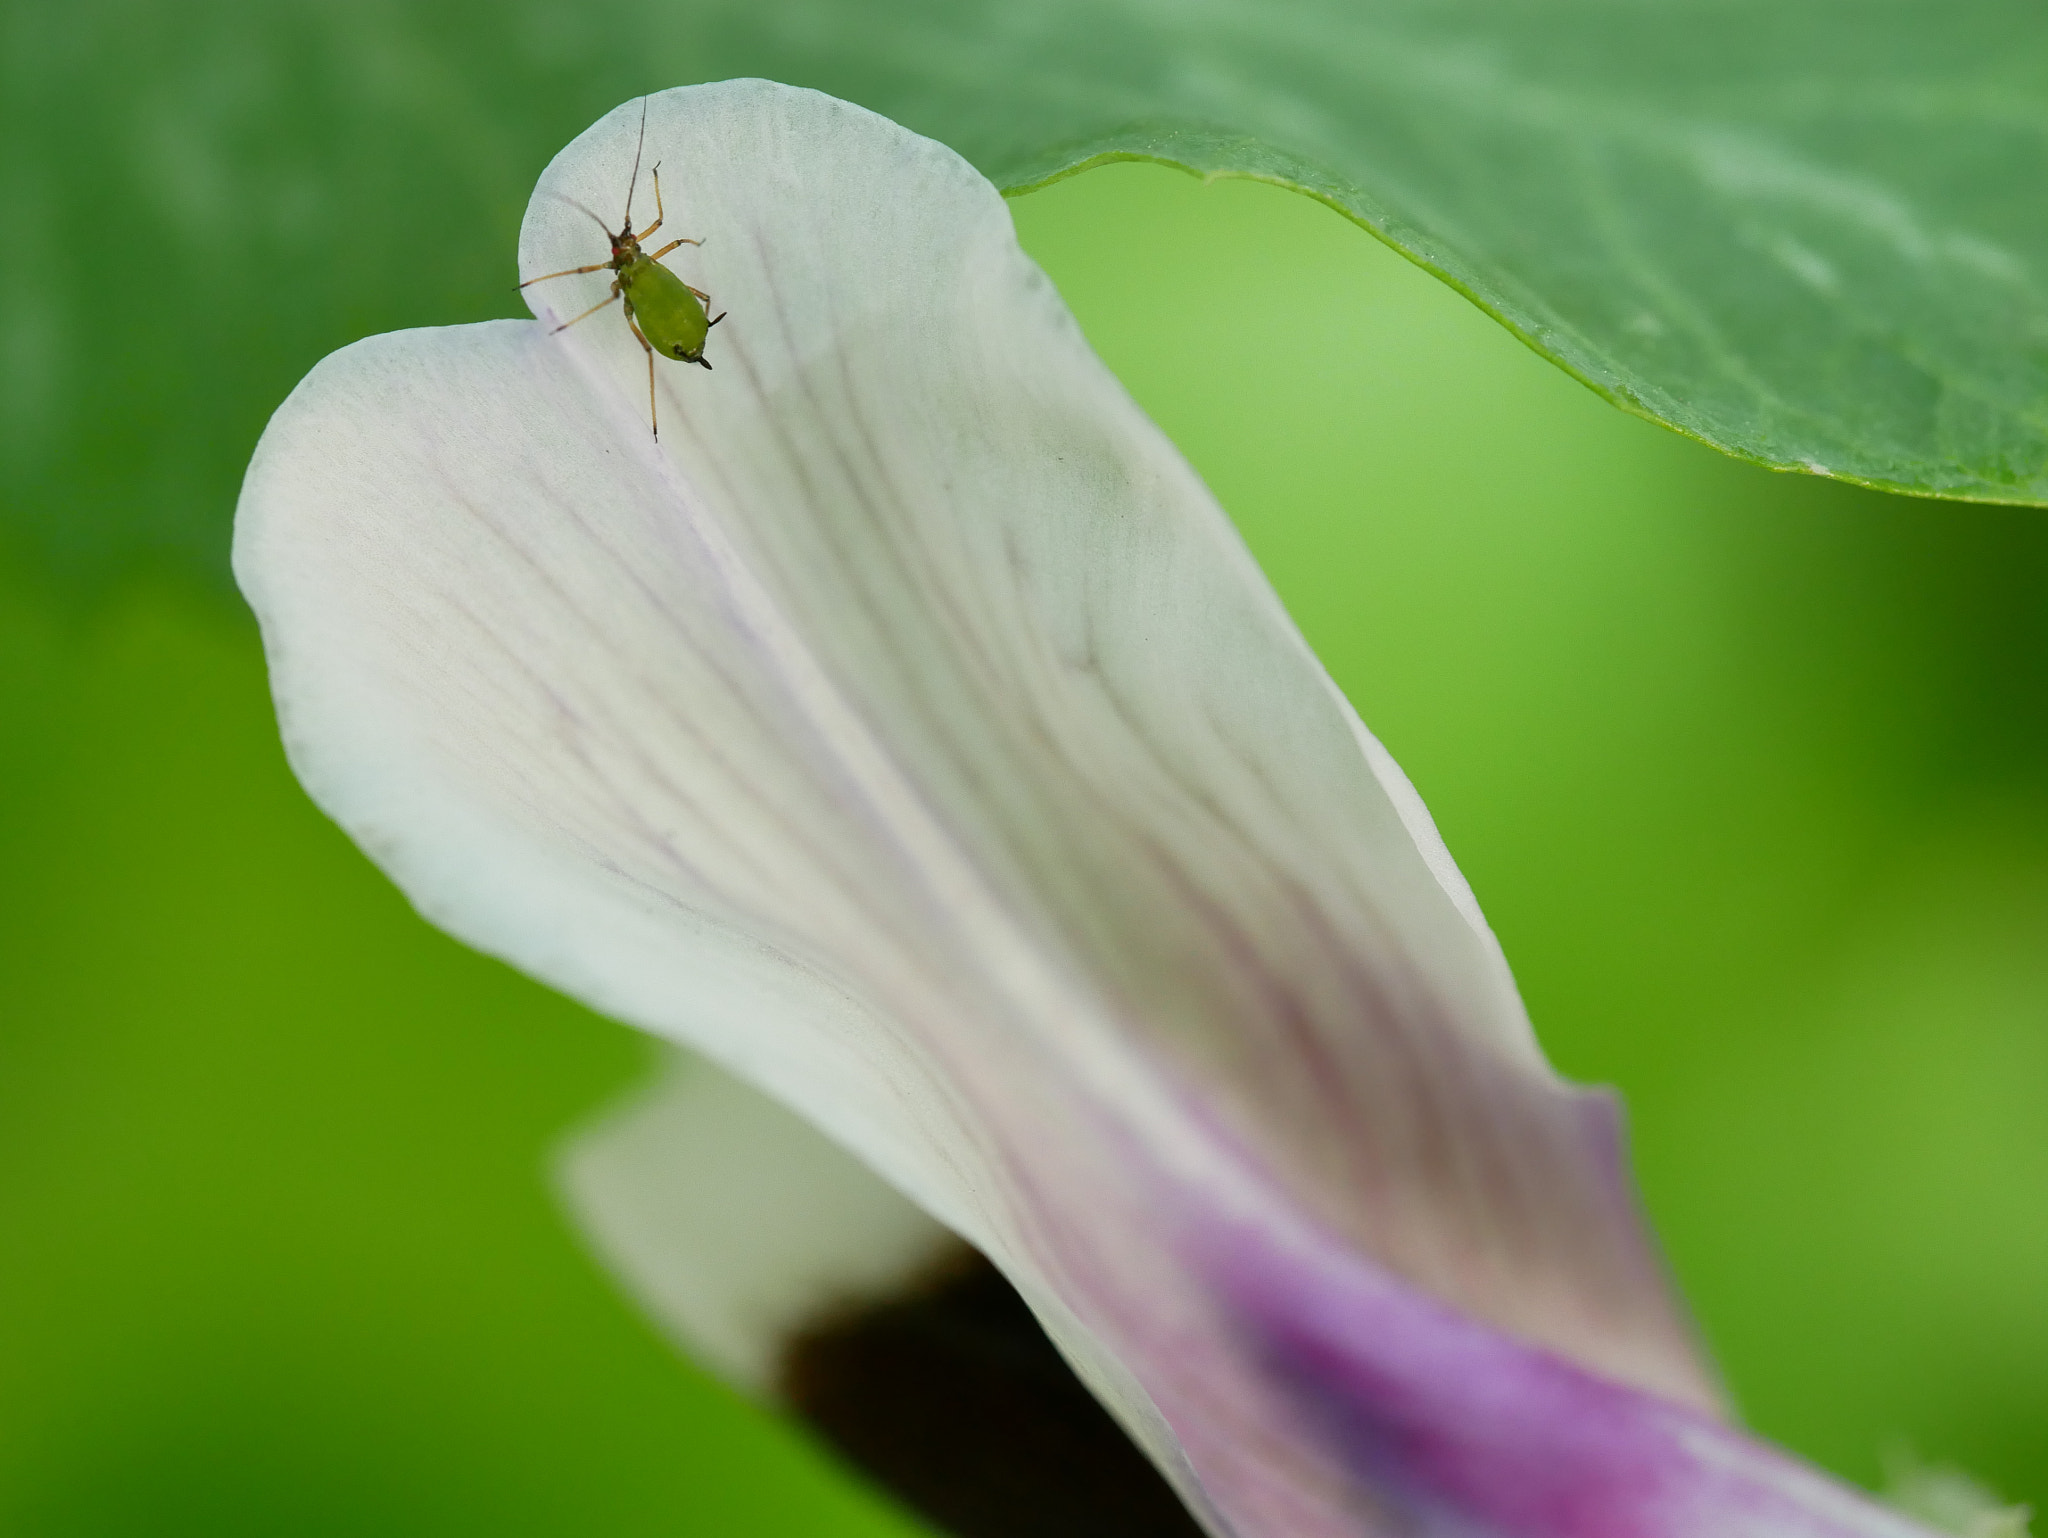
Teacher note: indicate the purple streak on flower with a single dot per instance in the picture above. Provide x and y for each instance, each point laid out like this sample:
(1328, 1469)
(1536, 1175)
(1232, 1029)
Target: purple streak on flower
(1470, 1433)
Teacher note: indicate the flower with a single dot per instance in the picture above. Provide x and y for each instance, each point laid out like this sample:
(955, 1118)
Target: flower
(906, 730)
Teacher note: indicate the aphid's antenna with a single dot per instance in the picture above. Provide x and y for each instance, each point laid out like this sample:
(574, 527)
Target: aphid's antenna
(634, 180)
(559, 198)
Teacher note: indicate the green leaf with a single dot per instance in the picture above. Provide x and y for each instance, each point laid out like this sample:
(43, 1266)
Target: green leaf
(1811, 234)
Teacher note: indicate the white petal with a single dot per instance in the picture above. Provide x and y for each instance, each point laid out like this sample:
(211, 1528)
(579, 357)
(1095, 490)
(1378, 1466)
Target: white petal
(909, 732)
(737, 1224)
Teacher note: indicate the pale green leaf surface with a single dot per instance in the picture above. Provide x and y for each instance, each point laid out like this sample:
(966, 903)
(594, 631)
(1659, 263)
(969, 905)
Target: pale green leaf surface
(1812, 234)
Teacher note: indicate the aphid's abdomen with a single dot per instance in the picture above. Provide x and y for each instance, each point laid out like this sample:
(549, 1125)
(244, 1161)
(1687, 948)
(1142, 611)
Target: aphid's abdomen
(671, 317)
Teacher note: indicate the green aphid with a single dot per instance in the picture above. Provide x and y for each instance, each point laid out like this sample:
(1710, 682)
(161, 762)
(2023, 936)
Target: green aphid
(666, 314)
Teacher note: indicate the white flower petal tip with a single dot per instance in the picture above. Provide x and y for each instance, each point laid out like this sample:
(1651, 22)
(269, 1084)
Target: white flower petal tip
(737, 1224)
(1951, 1501)
(907, 730)
(780, 1262)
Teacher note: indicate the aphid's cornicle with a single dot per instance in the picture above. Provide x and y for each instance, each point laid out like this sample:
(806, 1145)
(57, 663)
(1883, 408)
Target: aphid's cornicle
(665, 314)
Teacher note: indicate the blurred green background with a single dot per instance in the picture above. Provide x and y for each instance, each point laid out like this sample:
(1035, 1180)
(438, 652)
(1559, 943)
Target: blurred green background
(1750, 773)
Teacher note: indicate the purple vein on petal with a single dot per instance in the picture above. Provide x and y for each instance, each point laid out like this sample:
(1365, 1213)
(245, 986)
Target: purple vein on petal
(1468, 1433)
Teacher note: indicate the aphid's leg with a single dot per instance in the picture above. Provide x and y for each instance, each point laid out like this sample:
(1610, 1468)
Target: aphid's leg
(652, 421)
(680, 240)
(693, 288)
(658, 214)
(567, 272)
(565, 325)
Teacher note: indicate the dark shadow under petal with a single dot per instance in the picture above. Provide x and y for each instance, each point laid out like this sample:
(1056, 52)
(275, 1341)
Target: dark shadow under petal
(952, 1397)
